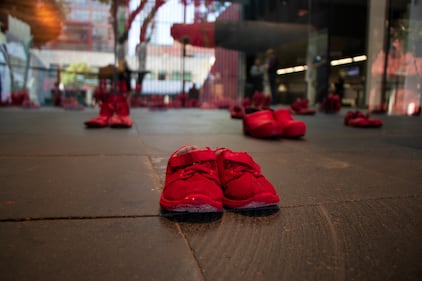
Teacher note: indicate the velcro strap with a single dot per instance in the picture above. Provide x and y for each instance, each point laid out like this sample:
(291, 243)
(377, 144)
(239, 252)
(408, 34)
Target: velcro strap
(242, 158)
(192, 157)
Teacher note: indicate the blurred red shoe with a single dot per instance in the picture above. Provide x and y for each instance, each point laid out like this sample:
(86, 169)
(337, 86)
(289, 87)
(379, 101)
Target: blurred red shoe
(236, 112)
(192, 183)
(358, 119)
(261, 124)
(106, 111)
(121, 118)
(291, 128)
(300, 107)
(242, 182)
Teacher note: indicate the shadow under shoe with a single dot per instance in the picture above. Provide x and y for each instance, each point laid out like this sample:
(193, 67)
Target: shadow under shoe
(191, 217)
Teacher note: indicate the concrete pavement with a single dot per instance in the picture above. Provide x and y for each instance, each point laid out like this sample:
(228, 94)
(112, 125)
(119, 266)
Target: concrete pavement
(78, 204)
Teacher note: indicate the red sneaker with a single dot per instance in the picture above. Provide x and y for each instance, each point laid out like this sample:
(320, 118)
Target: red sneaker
(106, 111)
(192, 183)
(291, 128)
(121, 119)
(243, 184)
(261, 124)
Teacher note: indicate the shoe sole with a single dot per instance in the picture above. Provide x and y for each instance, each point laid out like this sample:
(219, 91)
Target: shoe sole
(95, 126)
(120, 126)
(192, 204)
(264, 131)
(258, 201)
(294, 132)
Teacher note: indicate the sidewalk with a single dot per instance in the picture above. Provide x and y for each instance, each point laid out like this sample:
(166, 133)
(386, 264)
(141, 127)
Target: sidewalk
(78, 204)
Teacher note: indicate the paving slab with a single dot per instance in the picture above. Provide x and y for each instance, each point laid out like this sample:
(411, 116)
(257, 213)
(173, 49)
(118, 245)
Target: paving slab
(78, 186)
(335, 241)
(78, 204)
(149, 248)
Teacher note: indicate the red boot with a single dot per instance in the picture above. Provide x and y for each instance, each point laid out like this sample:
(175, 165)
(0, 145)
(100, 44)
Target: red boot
(106, 112)
(121, 118)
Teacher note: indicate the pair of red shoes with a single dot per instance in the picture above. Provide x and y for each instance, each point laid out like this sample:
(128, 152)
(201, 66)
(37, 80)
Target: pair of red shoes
(331, 104)
(206, 180)
(269, 124)
(301, 107)
(114, 112)
(259, 102)
(358, 119)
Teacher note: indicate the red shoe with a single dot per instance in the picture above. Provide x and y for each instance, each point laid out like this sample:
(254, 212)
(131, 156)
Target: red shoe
(121, 119)
(291, 128)
(358, 119)
(261, 124)
(243, 184)
(192, 183)
(300, 107)
(236, 112)
(106, 112)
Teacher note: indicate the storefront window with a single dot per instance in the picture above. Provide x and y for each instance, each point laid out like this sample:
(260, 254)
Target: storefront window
(396, 67)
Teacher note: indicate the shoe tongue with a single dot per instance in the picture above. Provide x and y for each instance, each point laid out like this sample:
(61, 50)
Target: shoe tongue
(190, 154)
(185, 149)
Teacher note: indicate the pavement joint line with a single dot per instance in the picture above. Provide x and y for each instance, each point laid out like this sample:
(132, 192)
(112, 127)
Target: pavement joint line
(74, 218)
(414, 196)
(71, 155)
(155, 174)
(319, 204)
(136, 127)
(191, 251)
(339, 268)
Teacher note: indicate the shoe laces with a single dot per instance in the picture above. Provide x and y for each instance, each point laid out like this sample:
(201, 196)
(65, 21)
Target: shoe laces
(204, 168)
(238, 170)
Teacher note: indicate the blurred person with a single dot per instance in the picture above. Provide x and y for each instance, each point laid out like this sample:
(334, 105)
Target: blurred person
(271, 67)
(193, 96)
(257, 72)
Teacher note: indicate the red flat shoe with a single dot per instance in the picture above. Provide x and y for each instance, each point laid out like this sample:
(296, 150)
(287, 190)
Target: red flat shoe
(192, 183)
(358, 119)
(121, 119)
(236, 112)
(300, 107)
(261, 124)
(106, 112)
(243, 184)
(291, 128)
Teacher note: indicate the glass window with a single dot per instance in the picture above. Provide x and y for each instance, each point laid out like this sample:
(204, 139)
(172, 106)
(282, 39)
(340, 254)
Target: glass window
(175, 75)
(149, 76)
(162, 75)
(79, 15)
(100, 16)
(188, 76)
